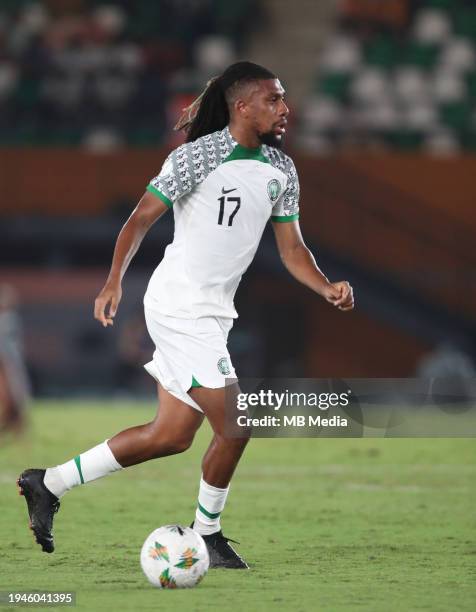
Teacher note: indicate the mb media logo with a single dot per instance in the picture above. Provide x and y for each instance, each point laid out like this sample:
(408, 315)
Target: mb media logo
(223, 366)
(274, 189)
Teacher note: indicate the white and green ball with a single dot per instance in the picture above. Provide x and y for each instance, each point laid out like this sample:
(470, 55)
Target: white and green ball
(174, 557)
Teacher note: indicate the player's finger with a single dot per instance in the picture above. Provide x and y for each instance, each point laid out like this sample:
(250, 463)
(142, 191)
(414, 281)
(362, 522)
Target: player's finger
(99, 307)
(333, 294)
(113, 306)
(346, 291)
(348, 299)
(342, 300)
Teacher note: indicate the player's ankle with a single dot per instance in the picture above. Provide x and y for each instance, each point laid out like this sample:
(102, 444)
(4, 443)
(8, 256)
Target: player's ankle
(205, 529)
(54, 482)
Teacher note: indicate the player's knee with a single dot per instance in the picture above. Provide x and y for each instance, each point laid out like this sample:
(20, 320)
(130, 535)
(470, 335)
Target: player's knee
(162, 442)
(171, 445)
(237, 443)
(180, 445)
(242, 436)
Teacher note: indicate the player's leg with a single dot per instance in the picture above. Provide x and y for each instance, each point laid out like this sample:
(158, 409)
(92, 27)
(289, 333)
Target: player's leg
(223, 454)
(172, 431)
(218, 466)
(11, 409)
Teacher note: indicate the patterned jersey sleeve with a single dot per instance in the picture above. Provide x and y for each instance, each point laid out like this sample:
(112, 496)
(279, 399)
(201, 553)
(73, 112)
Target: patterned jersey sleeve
(287, 207)
(177, 177)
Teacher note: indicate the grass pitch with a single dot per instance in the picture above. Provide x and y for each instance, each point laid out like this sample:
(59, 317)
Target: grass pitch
(325, 524)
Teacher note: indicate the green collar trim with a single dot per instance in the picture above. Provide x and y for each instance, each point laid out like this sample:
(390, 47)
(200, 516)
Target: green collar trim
(241, 152)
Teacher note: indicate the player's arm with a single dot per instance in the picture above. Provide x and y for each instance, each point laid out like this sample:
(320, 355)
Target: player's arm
(146, 213)
(300, 262)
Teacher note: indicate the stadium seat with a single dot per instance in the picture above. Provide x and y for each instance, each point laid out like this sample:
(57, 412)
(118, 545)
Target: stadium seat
(383, 117)
(33, 19)
(411, 85)
(432, 27)
(370, 85)
(102, 140)
(448, 87)
(458, 55)
(342, 54)
(213, 54)
(109, 18)
(420, 117)
(322, 113)
(407, 84)
(441, 142)
(313, 142)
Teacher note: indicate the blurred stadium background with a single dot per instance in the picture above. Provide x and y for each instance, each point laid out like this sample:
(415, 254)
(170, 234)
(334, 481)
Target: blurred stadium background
(383, 96)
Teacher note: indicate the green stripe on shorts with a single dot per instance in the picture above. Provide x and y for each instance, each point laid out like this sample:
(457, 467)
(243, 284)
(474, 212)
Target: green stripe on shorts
(195, 383)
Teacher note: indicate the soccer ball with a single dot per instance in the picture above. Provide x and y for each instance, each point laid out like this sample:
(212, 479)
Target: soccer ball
(174, 557)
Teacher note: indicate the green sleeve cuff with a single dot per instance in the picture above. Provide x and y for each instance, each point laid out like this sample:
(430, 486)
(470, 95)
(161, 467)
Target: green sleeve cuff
(287, 219)
(160, 195)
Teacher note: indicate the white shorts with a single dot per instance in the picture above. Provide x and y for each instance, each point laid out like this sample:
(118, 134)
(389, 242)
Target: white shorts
(189, 352)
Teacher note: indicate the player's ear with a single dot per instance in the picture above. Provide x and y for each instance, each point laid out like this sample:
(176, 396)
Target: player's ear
(241, 107)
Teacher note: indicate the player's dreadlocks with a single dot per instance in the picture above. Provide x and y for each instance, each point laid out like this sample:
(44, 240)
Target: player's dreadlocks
(209, 112)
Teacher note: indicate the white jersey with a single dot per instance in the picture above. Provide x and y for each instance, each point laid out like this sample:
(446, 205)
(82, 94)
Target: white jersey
(222, 194)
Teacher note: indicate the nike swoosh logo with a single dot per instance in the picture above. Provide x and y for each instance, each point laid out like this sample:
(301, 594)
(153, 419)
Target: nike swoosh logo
(223, 190)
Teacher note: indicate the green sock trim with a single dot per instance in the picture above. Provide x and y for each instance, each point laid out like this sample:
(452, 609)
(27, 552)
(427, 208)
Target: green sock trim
(195, 383)
(77, 460)
(212, 515)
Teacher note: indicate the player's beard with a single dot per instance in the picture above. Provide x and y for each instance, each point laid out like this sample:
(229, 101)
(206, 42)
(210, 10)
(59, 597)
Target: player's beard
(271, 139)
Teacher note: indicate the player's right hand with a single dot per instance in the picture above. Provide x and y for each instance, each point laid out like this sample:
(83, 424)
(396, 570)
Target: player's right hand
(108, 298)
(341, 295)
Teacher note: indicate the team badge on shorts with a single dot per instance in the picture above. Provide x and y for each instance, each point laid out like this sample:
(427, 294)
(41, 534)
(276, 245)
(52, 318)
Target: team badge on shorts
(223, 366)
(274, 189)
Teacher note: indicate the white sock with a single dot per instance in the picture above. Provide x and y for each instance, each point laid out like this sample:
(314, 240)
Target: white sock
(211, 501)
(94, 463)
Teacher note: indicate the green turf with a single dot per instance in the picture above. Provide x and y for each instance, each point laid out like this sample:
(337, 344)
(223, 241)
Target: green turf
(325, 524)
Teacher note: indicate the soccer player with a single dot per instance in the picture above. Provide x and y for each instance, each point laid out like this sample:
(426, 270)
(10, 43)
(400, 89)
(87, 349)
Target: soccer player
(14, 383)
(223, 184)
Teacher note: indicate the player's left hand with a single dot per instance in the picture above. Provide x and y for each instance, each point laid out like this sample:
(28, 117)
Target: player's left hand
(345, 301)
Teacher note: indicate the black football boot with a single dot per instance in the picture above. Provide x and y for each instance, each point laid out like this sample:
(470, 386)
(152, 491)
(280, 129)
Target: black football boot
(221, 553)
(42, 505)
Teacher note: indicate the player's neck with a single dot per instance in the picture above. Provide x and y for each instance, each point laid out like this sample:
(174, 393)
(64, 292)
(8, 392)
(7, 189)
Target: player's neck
(244, 137)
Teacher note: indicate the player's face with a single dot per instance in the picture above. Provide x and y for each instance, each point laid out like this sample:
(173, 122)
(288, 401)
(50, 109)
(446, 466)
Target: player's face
(268, 112)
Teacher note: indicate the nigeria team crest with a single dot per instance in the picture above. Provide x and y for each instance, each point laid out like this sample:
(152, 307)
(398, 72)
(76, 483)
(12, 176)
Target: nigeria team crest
(274, 189)
(223, 366)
